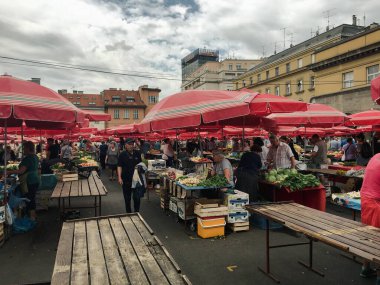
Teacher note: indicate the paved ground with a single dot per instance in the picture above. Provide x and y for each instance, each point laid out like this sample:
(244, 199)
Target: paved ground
(29, 258)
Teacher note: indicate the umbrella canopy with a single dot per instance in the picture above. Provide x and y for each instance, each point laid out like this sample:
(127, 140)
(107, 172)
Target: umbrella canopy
(22, 100)
(375, 89)
(317, 115)
(94, 116)
(194, 108)
(368, 118)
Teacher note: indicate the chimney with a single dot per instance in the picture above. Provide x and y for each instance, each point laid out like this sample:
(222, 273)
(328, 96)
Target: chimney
(354, 20)
(327, 28)
(36, 80)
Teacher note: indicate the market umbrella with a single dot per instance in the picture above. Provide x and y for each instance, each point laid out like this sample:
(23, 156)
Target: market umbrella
(375, 89)
(317, 115)
(195, 108)
(366, 118)
(22, 100)
(94, 116)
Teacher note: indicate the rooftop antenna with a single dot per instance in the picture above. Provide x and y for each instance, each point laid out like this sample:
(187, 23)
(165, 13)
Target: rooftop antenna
(311, 33)
(328, 16)
(291, 38)
(284, 29)
(275, 47)
(364, 19)
(263, 48)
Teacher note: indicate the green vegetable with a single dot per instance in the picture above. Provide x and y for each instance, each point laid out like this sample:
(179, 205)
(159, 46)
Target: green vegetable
(215, 181)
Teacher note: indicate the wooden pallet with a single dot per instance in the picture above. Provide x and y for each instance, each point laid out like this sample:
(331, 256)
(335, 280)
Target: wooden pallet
(68, 176)
(239, 227)
(2, 234)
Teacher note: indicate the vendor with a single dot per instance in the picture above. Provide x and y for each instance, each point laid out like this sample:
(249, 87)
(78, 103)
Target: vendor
(222, 166)
(370, 205)
(319, 152)
(29, 178)
(247, 173)
(66, 150)
(168, 152)
(280, 155)
(52, 150)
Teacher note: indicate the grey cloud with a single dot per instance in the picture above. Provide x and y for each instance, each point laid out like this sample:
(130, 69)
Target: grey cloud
(119, 46)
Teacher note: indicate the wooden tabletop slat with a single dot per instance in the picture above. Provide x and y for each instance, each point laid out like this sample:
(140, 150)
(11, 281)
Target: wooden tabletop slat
(132, 264)
(62, 266)
(99, 184)
(57, 190)
(85, 188)
(160, 255)
(328, 234)
(66, 189)
(323, 230)
(119, 249)
(93, 188)
(74, 189)
(153, 271)
(116, 272)
(354, 231)
(98, 269)
(79, 271)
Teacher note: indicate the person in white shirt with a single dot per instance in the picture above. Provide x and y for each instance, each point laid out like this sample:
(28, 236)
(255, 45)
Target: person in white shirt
(280, 154)
(264, 150)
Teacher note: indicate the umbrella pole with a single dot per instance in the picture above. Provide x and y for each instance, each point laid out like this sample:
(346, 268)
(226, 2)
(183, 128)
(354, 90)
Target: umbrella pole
(22, 139)
(200, 142)
(5, 160)
(243, 142)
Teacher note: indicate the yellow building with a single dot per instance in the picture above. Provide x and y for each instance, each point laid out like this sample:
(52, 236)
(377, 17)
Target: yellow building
(288, 73)
(343, 71)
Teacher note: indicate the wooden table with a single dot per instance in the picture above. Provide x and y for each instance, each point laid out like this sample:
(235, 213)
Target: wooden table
(83, 188)
(347, 235)
(113, 250)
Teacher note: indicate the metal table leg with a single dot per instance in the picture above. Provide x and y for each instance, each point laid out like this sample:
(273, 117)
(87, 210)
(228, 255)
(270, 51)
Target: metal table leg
(310, 265)
(100, 205)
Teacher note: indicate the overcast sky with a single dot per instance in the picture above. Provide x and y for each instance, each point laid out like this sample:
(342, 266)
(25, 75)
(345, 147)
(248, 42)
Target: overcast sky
(150, 37)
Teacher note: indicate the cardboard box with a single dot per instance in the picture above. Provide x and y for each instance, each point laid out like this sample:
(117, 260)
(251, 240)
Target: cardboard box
(156, 164)
(236, 201)
(187, 213)
(238, 216)
(173, 204)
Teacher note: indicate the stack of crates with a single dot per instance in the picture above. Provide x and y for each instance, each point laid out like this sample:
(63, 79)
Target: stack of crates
(211, 218)
(238, 216)
(164, 193)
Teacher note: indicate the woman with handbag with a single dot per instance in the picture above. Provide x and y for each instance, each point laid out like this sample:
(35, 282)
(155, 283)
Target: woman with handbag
(112, 159)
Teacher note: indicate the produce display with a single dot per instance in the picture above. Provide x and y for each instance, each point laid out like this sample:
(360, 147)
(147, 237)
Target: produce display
(349, 163)
(291, 179)
(356, 173)
(335, 154)
(58, 166)
(216, 181)
(341, 172)
(10, 166)
(85, 161)
(353, 195)
(200, 160)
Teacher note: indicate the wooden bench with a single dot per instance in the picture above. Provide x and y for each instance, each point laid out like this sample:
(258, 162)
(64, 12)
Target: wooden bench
(83, 188)
(117, 249)
(350, 236)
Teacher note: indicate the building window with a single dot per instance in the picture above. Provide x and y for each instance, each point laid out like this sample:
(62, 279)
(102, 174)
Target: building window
(238, 66)
(126, 114)
(78, 97)
(299, 85)
(258, 77)
(313, 58)
(152, 99)
(70, 97)
(348, 79)
(277, 90)
(91, 103)
(312, 82)
(230, 67)
(267, 74)
(267, 91)
(135, 114)
(277, 71)
(299, 62)
(288, 89)
(116, 114)
(251, 81)
(243, 83)
(288, 67)
(116, 99)
(372, 72)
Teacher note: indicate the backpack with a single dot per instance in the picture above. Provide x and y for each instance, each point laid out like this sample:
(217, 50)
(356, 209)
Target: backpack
(366, 150)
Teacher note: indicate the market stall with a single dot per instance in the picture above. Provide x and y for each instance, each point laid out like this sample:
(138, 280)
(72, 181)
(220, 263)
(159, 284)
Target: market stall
(291, 185)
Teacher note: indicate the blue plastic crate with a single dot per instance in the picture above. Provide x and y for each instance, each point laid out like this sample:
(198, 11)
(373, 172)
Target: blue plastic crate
(259, 221)
(48, 182)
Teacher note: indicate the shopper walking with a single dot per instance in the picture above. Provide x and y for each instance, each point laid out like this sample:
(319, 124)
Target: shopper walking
(112, 159)
(128, 160)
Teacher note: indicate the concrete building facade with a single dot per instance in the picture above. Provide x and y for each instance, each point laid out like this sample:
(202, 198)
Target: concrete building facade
(217, 75)
(289, 72)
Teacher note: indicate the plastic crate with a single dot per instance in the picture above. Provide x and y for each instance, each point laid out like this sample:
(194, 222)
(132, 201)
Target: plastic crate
(48, 182)
(259, 221)
(208, 228)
